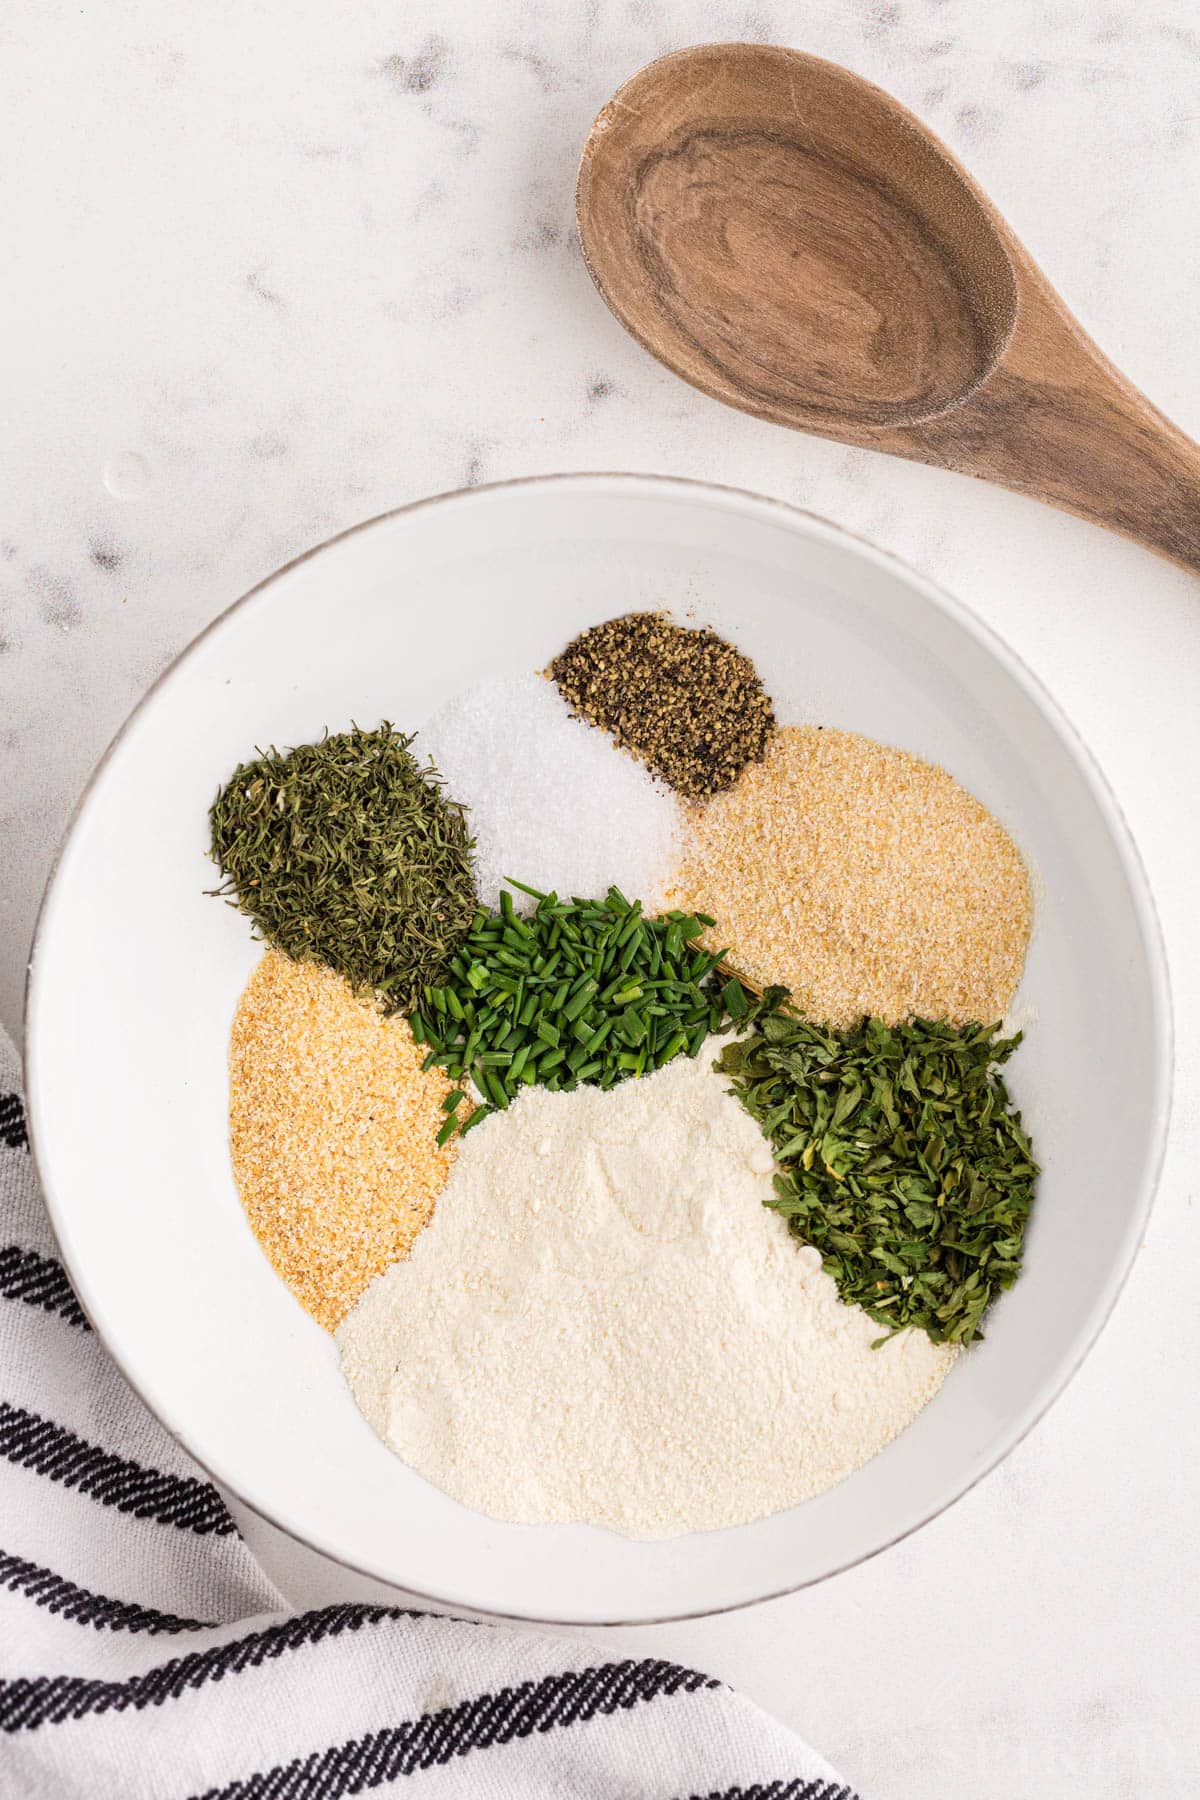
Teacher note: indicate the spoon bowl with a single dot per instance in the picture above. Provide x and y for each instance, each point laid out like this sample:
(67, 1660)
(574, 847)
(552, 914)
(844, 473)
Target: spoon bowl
(793, 241)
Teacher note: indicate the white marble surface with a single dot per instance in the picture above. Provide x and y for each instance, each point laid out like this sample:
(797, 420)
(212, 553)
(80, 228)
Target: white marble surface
(271, 269)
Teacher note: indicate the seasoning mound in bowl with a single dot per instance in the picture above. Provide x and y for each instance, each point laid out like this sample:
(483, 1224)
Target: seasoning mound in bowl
(899, 1157)
(550, 799)
(604, 1323)
(347, 852)
(577, 991)
(682, 700)
(333, 1126)
(864, 879)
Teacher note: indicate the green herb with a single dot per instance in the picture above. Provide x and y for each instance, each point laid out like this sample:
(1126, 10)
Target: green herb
(347, 852)
(900, 1158)
(579, 991)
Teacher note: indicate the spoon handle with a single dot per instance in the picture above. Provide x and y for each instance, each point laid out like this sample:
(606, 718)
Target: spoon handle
(1057, 421)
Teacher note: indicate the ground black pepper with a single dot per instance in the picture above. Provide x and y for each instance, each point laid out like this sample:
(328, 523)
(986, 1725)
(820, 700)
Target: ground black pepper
(681, 699)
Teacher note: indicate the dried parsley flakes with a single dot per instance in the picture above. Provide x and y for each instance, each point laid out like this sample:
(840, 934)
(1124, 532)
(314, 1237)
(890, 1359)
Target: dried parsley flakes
(347, 852)
(899, 1158)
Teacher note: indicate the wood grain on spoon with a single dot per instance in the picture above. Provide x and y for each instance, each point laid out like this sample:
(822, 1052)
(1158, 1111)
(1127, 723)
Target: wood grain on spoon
(791, 240)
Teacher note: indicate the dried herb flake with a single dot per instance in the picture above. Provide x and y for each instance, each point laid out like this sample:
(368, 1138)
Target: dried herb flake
(899, 1157)
(347, 852)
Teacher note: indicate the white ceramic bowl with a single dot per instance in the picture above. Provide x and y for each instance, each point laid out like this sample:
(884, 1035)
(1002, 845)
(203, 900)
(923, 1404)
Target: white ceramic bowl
(136, 973)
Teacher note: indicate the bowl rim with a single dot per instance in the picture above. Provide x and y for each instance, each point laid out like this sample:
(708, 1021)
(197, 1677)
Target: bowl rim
(695, 491)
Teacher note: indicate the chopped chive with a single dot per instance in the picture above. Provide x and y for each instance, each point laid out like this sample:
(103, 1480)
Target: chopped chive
(583, 998)
(631, 948)
(574, 991)
(733, 998)
(633, 1026)
(494, 1088)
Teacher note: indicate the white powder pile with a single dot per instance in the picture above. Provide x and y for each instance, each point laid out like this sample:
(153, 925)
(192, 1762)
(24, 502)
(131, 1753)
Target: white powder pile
(552, 802)
(603, 1323)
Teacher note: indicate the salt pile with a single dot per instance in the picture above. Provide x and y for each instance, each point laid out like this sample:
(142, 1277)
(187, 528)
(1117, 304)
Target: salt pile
(552, 802)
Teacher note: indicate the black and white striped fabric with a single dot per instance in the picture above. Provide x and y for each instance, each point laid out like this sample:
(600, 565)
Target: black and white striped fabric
(143, 1654)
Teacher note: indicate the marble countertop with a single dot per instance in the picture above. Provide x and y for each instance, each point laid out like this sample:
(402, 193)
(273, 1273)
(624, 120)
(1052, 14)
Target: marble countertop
(270, 270)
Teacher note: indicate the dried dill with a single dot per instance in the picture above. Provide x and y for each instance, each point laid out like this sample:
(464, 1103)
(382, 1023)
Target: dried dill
(684, 701)
(899, 1157)
(347, 852)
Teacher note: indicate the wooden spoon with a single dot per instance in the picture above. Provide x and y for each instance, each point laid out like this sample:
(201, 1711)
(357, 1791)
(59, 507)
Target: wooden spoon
(790, 239)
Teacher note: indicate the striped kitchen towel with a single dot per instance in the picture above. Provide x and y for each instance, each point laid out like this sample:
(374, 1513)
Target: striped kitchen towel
(143, 1653)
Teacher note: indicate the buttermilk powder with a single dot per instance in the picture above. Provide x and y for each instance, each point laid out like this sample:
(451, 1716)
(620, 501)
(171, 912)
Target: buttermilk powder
(603, 1323)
